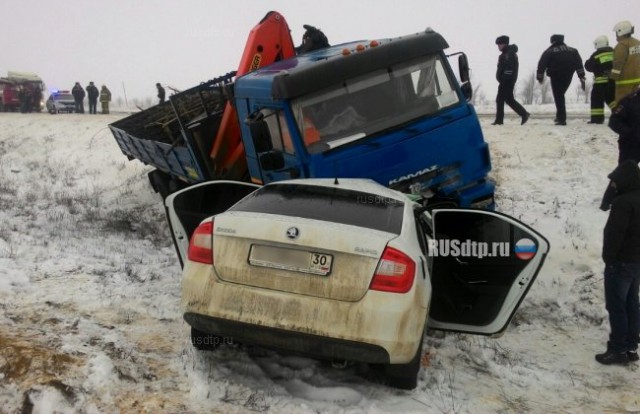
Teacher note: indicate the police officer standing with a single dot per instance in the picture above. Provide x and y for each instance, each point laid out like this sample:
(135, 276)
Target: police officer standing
(507, 75)
(93, 93)
(78, 96)
(626, 60)
(560, 61)
(603, 91)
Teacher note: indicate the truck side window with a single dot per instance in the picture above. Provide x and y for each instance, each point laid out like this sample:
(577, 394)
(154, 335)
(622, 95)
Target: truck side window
(432, 82)
(280, 135)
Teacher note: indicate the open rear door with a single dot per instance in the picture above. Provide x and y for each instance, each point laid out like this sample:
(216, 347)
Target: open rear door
(483, 264)
(187, 208)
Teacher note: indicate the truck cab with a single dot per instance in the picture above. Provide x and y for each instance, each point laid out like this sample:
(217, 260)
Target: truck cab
(390, 110)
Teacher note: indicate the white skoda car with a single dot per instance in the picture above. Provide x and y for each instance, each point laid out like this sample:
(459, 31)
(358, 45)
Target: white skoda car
(344, 270)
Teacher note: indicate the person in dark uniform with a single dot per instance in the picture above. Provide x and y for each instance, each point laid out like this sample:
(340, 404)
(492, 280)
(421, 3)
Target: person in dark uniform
(78, 95)
(604, 89)
(93, 93)
(25, 99)
(625, 121)
(621, 255)
(161, 93)
(560, 62)
(507, 75)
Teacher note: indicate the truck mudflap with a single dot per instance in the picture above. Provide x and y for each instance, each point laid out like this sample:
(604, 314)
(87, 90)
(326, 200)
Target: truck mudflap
(172, 136)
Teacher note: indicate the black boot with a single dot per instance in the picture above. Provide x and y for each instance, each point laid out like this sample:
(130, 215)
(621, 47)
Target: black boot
(610, 358)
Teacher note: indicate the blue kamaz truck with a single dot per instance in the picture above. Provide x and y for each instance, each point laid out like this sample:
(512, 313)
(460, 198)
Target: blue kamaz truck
(392, 110)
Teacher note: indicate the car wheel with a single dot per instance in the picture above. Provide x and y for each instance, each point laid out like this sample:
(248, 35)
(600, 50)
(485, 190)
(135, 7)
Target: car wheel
(203, 341)
(405, 376)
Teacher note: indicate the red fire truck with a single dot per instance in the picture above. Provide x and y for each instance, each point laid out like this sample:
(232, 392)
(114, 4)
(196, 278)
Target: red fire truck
(22, 91)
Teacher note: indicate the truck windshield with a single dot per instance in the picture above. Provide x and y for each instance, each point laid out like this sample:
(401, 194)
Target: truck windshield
(373, 102)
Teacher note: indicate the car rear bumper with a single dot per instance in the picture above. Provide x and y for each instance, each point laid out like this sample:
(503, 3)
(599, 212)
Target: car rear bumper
(312, 345)
(380, 326)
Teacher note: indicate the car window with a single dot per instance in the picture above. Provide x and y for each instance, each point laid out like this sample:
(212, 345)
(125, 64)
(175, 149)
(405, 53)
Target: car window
(328, 204)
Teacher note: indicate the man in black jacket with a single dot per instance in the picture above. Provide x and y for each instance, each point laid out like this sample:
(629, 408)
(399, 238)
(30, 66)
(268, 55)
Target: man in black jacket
(604, 89)
(625, 121)
(560, 61)
(621, 255)
(78, 96)
(93, 93)
(507, 75)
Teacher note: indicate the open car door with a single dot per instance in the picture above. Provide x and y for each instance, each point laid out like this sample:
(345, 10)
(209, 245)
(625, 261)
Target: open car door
(187, 208)
(482, 265)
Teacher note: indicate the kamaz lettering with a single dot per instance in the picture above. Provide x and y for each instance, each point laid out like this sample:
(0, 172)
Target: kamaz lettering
(413, 175)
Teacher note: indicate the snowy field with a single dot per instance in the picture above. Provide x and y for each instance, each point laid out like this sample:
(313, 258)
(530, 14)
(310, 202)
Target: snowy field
(90, 285)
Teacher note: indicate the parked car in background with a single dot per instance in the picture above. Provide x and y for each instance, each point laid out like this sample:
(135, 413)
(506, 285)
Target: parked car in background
(60, 101)
(344, 269)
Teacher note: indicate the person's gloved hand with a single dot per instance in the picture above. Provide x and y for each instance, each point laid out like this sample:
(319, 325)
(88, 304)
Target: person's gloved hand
(582, 84)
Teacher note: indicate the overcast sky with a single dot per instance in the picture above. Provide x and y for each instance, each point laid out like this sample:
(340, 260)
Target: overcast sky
(131, 45)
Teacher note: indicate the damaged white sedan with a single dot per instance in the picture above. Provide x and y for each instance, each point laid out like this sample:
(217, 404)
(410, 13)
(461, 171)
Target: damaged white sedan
(345, 270)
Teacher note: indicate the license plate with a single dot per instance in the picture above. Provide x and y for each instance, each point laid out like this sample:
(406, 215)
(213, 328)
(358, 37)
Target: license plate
(302, 261)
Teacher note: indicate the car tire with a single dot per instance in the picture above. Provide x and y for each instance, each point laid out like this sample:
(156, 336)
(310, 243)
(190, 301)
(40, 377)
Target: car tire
(203, 341)
(405, 376)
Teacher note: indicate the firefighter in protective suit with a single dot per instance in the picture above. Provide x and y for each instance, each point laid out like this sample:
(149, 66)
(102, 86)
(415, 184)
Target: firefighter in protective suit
(604, 89)
(626, 60)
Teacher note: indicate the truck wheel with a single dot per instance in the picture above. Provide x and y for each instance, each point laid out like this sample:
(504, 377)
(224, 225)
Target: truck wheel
(405, 376)
(160, 182)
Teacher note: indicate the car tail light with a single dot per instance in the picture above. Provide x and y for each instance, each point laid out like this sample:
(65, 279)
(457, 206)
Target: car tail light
(395, 272)
(201, 244)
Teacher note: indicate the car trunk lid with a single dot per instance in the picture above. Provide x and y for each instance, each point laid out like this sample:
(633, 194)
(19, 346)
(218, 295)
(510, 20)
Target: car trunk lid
(297, 255)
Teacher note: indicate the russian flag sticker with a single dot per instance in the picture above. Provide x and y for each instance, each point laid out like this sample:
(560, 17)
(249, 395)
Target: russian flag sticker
(525, 249)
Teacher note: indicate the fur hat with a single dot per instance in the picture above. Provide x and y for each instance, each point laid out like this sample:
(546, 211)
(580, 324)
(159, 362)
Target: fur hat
(502, 40)
(557, 38)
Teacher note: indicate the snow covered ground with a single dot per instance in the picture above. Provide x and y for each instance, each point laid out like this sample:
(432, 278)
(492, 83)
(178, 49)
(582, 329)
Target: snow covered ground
(89, 292)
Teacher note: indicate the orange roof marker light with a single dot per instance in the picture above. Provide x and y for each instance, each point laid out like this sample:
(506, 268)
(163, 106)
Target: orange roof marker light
(374, 43)
(360, 48)
(346, 52)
